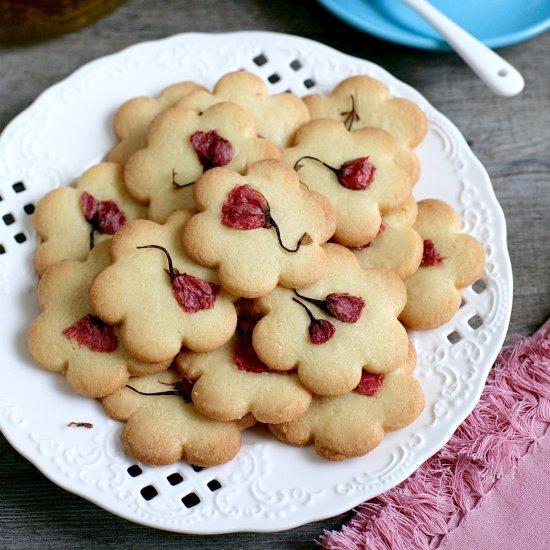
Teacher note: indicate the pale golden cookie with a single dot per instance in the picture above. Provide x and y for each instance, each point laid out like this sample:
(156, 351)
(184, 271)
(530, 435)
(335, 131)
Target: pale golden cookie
(61, 222)
(231, 382)
(363, 180)
(372, 339)
(133, 118)
(354, 424)
(450, 261)
(362, 101)
(268, 198)
(159, 312)
(277, 117)
(162, 429)
(397, 247)
(67, 317)
(155, 175)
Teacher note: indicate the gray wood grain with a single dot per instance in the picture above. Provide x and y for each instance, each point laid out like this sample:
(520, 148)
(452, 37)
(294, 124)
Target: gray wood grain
(510, 137)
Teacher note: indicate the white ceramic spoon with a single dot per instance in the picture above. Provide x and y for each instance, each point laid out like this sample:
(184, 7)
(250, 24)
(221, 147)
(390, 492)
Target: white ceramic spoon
(497, 73)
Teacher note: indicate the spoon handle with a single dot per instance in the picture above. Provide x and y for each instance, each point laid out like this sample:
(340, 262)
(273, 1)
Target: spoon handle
(498, 74)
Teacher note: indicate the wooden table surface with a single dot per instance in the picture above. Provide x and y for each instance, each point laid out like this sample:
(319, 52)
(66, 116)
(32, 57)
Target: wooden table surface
(510, 137)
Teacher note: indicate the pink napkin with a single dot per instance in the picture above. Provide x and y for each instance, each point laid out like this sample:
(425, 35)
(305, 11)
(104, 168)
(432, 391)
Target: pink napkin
(515, 514)
(489, 486)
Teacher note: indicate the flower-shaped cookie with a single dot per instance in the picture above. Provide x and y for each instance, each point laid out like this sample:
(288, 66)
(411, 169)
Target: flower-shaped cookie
(356, 170)
(182, 145)
(277, 117)
(66, 337)
(70, 221)
(232, 382)
(333, 329)
(133, 118)
(450, 261)
(165, 427)
(397, 247)
(362, 101)
(353, 424)
(259, 229)
(160, 297)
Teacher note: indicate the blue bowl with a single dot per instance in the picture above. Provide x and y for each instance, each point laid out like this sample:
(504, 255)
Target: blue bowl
(495, 22)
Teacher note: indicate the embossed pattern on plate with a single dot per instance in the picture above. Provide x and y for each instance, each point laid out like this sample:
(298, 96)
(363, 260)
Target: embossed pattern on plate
(269, 486)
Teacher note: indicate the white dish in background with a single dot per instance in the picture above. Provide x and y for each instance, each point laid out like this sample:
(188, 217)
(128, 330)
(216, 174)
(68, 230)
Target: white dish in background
(269, 486)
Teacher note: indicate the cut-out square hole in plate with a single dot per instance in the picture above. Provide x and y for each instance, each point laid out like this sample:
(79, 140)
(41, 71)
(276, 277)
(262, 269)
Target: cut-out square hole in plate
(308, 83)
(149, 492)
(295, 65)
(463, 302)
(8, 219)
(260, 60)
(479, 286)
(134, 470)
(475, 322)
(274, 78)
(454, 337)
(214, 485)
(197, 468)
(29, 208)
(20, 238)
(18, 187)
(190, 500)
(2, 249)
(175, 478)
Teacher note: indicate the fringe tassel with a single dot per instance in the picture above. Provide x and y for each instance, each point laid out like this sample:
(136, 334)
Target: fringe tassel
(514, 410)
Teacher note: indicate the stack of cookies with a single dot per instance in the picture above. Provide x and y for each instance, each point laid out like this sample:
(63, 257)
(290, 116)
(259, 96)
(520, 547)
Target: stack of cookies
(243, 258)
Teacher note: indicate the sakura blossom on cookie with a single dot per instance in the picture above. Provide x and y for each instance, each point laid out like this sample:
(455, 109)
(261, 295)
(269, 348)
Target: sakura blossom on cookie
(70, 221)
(363, 101)
(259, 229)
(231, 382)
(163, 426)
(450, 261)
(161, 298)
(332, 330)
(353, 424)
(397, 247)
(360, 176)
(181, 145)
(133, 118)
(67, 337)
(277, 116)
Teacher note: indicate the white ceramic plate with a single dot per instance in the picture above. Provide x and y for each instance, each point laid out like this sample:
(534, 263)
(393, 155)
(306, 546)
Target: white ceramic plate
(269, 486)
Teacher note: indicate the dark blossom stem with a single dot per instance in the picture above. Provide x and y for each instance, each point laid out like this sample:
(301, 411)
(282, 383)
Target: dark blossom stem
(297, 164)
(310, 315)
(178, 390)
(172, 273)
(352, 115)
(176, 185)
(319, 303)
(167, 392)
(92, 232)
(273, 223)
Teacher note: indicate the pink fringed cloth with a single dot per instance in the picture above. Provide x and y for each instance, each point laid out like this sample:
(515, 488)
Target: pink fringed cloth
(489, 487)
